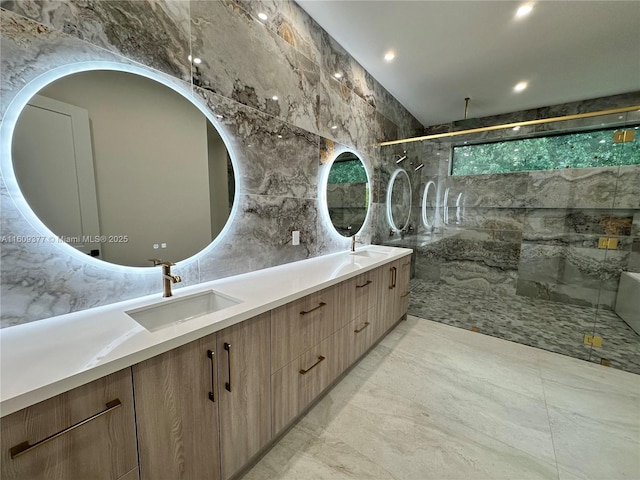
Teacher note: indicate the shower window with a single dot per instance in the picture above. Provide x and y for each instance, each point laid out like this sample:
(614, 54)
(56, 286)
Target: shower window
(575, 150)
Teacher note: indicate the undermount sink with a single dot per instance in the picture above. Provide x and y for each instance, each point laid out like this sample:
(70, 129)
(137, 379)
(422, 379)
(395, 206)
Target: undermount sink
(179, 310)
(368, 254)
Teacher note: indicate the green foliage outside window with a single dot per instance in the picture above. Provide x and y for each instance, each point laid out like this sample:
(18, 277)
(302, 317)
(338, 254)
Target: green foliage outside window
(350, 171)
(576, 150)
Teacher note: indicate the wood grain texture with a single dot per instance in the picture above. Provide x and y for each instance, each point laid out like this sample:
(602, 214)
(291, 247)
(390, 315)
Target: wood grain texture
(245, 411)
(360, 336)
(292, 333)
(402, 286)
(292, 391)
(365, 288)
(177, 423)
(132, 475)
(104, 448)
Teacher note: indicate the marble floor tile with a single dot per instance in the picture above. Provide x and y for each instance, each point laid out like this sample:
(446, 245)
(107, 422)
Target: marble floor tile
(547, 325)
(591, 448)
(432, 401)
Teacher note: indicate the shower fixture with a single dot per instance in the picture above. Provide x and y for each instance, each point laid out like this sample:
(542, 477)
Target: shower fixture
(401, 158)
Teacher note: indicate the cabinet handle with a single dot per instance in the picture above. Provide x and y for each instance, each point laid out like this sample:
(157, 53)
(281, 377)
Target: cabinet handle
(304, 372)
(404, 295)
(406, 264)
(358, 330)
(320, 305)
(394, 272)
(364, 284)
(25, 447)
(212, 355)
(227, 347)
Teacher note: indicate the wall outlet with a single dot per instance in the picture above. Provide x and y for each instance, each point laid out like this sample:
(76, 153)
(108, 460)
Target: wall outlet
(156, 246)
(295, 237)
(163, 245)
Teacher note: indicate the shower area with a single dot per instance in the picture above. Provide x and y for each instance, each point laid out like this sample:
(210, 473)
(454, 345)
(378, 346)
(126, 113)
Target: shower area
(529, 233)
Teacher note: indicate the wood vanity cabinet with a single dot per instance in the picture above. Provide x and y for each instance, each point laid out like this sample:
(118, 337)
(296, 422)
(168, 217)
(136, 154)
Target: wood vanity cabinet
(87, 432)
(203, 409)
(177, 413)
(393, 294)
(244, 380)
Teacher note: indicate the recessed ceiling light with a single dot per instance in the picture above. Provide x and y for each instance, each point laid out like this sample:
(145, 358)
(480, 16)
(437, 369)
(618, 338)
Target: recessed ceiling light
(520, 86)
(516, 128)
(390, 55)
(337, 75)
(262, 16)
(274, 98)
(190, 58)
(524, 10)
(603, 141)
(334, 127)
(279, 136)
(197, 60)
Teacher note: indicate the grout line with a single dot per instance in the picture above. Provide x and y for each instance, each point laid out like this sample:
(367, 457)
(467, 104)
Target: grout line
(546, 406)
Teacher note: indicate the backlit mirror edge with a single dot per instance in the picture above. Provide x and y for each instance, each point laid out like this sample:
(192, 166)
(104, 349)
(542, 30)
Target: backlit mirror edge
(8, 124)
(392, 224)
(322, 195)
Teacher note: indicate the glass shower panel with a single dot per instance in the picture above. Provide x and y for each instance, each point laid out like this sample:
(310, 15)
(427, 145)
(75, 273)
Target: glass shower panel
(616, 334)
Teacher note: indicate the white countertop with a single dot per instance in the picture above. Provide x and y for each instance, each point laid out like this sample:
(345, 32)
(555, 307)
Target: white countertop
(41, 359)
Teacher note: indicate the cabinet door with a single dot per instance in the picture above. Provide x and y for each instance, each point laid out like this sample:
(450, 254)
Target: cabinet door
(244, 383)
(402, 286)
(386, 295)
(102, 448)
(177, 413)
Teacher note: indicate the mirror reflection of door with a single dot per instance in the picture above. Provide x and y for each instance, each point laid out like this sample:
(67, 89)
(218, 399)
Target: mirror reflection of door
(52, 153)
(160, 170)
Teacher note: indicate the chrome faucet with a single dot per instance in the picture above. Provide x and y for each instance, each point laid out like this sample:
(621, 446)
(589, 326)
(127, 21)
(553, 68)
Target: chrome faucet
(167, 277)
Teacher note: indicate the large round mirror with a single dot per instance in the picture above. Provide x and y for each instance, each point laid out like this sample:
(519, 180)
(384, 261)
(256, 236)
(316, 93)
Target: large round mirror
(347, 194)
(123, 168)
(399, 200)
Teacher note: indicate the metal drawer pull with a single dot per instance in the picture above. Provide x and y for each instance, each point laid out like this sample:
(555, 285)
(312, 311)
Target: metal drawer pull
(304, 372)
(24, 447)
(394, 272)
(364, 284)
(227, 347)
(212, 355)
(366, 324)
(395, 276)
(405, 295)
(320, 305)
(406, 264)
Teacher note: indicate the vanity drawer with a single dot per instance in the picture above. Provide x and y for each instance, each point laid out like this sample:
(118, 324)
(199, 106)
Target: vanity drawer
(299, 325)
(103, 447)
(364, 288)
(360, 335)
(297, 384)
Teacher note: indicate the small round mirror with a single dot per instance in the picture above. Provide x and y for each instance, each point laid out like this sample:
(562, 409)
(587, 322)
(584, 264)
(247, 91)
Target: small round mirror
(399, 200)
(347, 194)
(429, 205)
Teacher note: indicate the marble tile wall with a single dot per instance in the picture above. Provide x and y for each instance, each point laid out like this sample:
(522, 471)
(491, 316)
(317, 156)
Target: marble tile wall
(533, 234)
(281, 145)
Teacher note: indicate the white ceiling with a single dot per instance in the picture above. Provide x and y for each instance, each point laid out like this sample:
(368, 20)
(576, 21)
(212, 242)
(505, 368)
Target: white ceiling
(449, 50)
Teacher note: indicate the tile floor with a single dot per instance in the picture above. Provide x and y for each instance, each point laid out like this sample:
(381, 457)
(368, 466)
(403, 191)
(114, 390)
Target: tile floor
(433, 401)
(553, 326)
